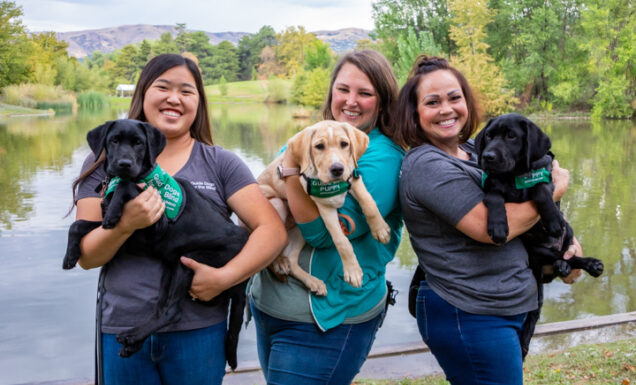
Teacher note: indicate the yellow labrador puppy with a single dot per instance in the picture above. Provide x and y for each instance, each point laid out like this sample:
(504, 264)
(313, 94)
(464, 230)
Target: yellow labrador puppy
(327, 153)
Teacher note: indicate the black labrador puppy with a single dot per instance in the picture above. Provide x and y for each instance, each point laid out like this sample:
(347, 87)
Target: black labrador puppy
(515, 157)
(191, 225)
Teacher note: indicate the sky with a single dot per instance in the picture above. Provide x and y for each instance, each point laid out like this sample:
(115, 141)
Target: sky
(211, 15)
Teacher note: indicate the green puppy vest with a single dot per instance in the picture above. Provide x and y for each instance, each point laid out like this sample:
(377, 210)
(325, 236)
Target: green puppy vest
(168, 189)
(527, 180)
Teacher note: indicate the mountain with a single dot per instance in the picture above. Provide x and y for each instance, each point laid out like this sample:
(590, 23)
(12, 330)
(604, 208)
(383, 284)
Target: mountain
(83, 43)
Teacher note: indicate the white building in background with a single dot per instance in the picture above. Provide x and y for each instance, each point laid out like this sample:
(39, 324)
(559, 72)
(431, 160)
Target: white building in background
(125, 90)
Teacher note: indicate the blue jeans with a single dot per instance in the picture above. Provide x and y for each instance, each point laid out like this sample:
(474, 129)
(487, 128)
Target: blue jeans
(293, 353)
(186, 357)
(471, 348)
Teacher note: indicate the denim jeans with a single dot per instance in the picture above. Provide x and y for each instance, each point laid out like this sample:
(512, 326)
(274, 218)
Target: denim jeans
(187, 357)
(471, 348)
(293, 353)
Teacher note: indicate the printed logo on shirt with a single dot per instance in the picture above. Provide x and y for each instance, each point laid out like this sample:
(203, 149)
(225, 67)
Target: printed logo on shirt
(203, 185)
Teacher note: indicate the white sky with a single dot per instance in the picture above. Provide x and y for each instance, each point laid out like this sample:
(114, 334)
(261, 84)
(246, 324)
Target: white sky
(211, 15)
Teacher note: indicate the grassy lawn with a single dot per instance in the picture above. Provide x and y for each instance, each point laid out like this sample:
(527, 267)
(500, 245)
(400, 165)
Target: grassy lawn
(598, 364)
(8, 110)
(247, 91)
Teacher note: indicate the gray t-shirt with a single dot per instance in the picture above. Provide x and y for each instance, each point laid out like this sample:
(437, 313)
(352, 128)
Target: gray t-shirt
(436, 191)
(132, 282)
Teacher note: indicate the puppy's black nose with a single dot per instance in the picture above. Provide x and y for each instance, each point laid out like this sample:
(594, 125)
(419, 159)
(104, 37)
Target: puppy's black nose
(489, 156)
(124, 163)
(336, 170)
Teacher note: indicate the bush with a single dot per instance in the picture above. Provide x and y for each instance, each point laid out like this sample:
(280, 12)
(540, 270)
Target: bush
(276, 92)
(310, 87)
(92, 100)
(39, 96)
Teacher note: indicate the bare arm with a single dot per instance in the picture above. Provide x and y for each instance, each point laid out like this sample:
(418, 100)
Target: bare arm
(100, 245)
(267, 239)
(521, 216)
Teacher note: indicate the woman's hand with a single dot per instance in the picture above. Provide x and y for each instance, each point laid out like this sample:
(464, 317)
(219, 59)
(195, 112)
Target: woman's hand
(208, 281)
(142, 211)
(560, 178)
(574, 249)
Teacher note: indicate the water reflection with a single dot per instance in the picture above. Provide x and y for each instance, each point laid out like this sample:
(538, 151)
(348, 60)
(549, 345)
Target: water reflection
(47, 315)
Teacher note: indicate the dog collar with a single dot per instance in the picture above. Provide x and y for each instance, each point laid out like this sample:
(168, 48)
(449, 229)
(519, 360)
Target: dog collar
(319, 189)
(527, 180)
(166, 185)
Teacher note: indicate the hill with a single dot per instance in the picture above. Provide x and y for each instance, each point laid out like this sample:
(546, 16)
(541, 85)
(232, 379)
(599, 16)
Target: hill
(83, 43)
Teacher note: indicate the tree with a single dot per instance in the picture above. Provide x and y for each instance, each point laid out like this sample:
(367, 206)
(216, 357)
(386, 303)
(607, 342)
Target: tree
(14, 45)
(46, 51)
(292, 48)
(126, 67)
(269, 65)
(609, 27)
(470, 18)
(183, 38)
(223, 62)
(250, 48)
(393, 18)
(310, 87)
(409, 47)
(318, 55)
(165, 44)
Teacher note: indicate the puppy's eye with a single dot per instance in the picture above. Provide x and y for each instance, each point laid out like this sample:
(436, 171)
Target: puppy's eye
(511, 135)
(343, 144)
(114, 140)
(138, 142)
(320, 146)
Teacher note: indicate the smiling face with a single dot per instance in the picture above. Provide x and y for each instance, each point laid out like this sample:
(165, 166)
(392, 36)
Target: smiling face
(354, 99)
(441, 107)
(171, 102)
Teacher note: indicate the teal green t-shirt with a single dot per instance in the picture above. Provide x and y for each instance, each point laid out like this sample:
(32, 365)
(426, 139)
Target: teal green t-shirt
(379, 167)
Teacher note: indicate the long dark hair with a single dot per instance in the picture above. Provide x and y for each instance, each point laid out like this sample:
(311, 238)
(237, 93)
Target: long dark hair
(200, 129)
(406, 118)
(378, 70)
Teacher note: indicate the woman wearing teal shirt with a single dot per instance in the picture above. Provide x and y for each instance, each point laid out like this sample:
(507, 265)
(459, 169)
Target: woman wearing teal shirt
(307, 339)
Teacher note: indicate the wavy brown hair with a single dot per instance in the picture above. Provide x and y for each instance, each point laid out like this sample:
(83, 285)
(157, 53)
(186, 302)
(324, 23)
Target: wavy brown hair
(409, 133)
(378, 70)
(200, 129)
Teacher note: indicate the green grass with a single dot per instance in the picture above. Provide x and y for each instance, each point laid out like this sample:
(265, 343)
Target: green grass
(254, 91)
(598, 364)
(7, 110)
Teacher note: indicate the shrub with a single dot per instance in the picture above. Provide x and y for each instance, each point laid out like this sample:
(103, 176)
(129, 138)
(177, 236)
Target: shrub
(276, 92)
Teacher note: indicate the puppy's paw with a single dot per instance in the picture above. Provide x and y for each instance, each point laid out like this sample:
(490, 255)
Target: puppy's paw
(129, 344)
(316, 286)
(498, 233)
(353, 275)
(561, 268)
(281, 265)
(381, 233)
(595, 267)
(110, 222)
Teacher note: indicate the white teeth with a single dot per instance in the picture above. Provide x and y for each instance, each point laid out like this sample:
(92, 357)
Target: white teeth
(171, 113)
(446, 122)
(350, 113)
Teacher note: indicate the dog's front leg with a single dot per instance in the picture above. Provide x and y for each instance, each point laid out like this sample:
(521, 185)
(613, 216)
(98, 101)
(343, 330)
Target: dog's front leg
(497, 219)
(551, 216)
(379, 228)
(124, 192)
(350, 267)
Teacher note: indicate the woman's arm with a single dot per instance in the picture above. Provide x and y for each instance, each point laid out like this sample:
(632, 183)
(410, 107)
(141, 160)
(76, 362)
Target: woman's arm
(267, 239)
(521, 216)
(100, 245)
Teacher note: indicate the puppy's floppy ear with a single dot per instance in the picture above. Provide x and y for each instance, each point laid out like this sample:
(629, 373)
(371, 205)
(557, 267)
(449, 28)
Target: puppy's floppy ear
(537, 142)
(480, 139)
(96, 137)
(299, 146)
(359, 141)
(155, 141)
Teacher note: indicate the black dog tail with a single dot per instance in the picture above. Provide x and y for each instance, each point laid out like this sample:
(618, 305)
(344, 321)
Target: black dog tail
(76, 232)
(237, 307)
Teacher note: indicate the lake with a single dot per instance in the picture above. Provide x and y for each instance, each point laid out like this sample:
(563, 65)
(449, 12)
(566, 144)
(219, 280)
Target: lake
(47, 314)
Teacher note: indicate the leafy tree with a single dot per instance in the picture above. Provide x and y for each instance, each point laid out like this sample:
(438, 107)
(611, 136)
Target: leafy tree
(610, 30)
(250, 48)
(223, 86)
(46, 50)
(292, 48)
(223, 61)
(14, 45)
(182, 39)
(468, 32)
(143, 54)
(318, 55)
(166, 44)
(269, 64)
(409, 47)
(126, 66)
(393, 18)
(310, 87)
